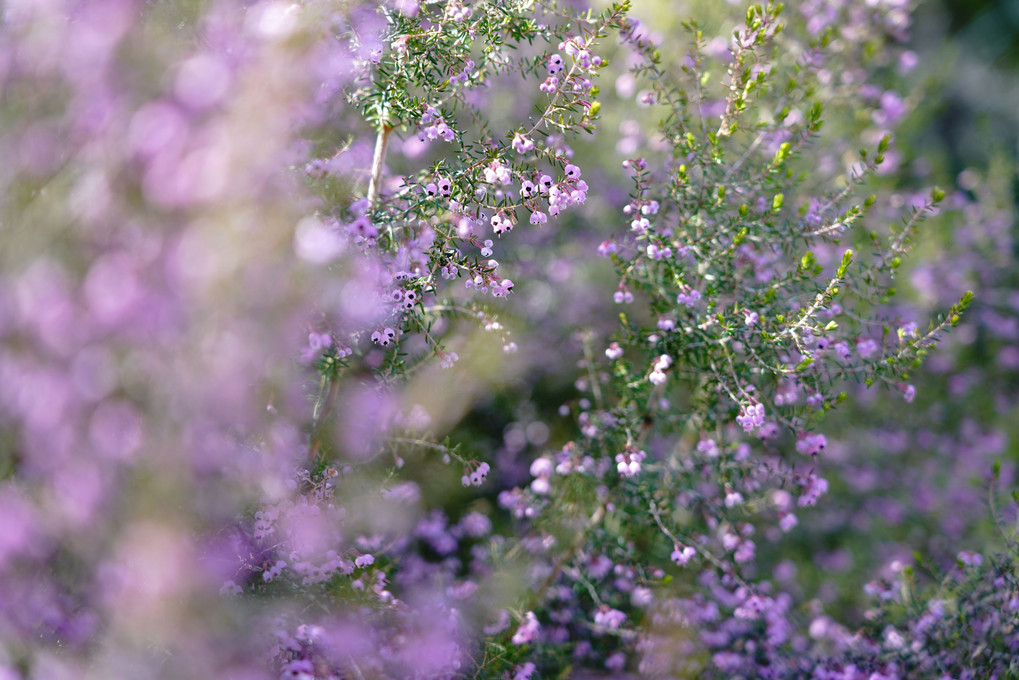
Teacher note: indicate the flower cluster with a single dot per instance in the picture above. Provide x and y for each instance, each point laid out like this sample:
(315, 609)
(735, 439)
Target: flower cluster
(433, 125)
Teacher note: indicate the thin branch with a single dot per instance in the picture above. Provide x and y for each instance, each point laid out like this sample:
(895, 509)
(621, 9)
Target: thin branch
(378, 160)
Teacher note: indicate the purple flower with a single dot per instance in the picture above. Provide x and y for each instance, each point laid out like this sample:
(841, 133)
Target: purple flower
(628, 463)
(682, 554)
(811, 444)
(522, 144)
(609, 618)
(866, 348)
(528, 630)
(970, 558)
(555, 65)
(751, 416)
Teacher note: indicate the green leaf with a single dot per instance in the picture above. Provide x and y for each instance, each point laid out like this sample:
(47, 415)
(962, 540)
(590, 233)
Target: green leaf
(847, 259)
(804, 364)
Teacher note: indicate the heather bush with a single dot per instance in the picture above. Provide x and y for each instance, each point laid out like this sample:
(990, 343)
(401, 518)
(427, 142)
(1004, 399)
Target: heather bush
(348, 340)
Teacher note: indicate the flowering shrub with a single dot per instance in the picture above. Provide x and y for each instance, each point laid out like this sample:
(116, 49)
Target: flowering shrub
(329, 350)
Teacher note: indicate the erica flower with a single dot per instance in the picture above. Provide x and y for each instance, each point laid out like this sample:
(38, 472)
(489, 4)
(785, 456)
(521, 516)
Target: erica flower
(751, 416)
(628, 463)
(528, 629)
(811, 444)
(477, 476)
(708, 447)
(497, 173)
(524, 672)
(682, 554)
(502, 288)
(555, 65)
(522, 144)
(656, 252)
(752, 608)
(970, 558)
(501, 224)
(609, 618)
(866, 348)
(813, 488)
(661, 365)
(733, 498)
(688, 298)
(384, 337)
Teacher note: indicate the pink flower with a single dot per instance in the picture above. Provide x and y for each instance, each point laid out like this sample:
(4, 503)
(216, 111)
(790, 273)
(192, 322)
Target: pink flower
(609, 618)
(751, 417)
(682, 554)
(497, 173)
(811, 444)
(813, 488)
(628, 463)
(524, 672)
(866, 348)
(970, 558)
(528, 629)
(522, 144)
